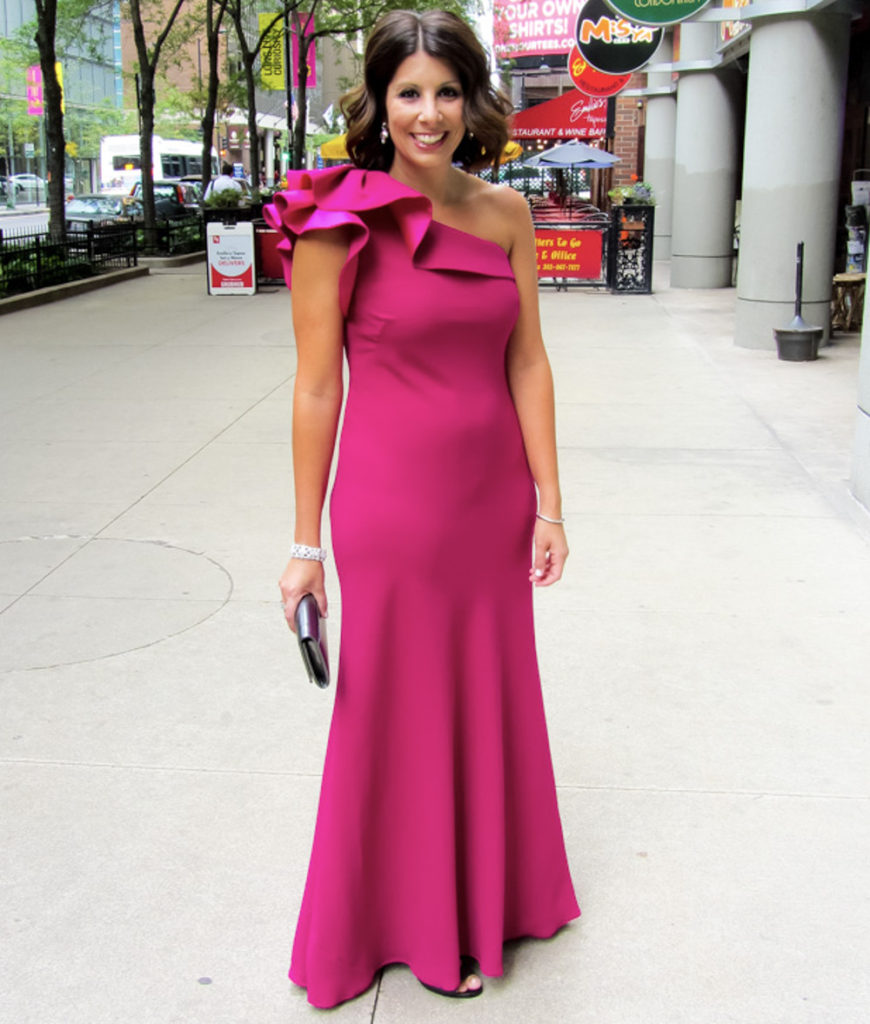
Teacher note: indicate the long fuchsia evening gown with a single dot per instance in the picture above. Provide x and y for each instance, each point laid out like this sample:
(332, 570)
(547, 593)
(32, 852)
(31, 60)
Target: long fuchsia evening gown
(438, 832)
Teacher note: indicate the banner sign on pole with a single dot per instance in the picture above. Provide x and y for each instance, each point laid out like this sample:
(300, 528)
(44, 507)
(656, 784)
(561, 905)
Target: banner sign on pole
(614, 45)
(311, 60)
(35, 106)
(657, 12)
(272, 52)
(230, 259)
(590, 80)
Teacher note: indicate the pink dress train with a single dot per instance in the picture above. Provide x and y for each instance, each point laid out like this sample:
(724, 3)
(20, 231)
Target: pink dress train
(438, 831)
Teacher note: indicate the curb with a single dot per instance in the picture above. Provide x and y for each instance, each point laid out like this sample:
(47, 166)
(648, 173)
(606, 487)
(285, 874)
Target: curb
(55, 293)
(158, 263)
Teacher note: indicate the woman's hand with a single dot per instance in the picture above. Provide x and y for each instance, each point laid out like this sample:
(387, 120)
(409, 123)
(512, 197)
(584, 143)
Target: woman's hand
(551, 550)
(302, 576)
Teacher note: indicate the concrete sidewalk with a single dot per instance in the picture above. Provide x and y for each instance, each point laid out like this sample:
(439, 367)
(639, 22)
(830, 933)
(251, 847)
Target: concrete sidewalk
(705, 667)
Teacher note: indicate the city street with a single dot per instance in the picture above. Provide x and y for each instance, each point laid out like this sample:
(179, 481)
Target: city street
(704, 665)
(25, 217)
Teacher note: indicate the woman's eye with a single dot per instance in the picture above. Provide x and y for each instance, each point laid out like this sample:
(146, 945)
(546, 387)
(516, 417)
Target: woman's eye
(450, 92)
(408, 94)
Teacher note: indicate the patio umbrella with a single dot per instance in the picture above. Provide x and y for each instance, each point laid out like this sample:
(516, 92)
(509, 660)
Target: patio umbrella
(572, 154)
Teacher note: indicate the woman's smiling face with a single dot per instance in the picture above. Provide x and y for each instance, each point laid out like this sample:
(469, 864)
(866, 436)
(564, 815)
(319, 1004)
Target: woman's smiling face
(424, 112)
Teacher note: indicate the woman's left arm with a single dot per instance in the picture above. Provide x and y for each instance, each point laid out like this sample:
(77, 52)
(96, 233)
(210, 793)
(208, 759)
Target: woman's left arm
(531, 385)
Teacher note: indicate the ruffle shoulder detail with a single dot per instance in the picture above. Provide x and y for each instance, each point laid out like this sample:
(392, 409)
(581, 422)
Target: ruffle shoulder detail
(340, 196)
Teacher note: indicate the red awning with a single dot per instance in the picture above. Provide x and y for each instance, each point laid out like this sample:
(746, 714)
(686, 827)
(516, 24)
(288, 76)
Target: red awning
(573, 115)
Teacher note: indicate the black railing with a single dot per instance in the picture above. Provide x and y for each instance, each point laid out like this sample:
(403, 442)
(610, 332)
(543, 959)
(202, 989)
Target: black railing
(33, 259)
(180, 235)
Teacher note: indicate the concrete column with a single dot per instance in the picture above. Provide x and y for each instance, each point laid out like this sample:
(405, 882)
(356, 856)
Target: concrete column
(705, 167)
(658, 162)
(791, 169)
(861, 460)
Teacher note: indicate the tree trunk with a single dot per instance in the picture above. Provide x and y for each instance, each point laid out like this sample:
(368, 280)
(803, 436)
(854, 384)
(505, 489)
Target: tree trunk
(46, 24)
(146, 161)
(147, 101)
(254, 151)
(213, 45)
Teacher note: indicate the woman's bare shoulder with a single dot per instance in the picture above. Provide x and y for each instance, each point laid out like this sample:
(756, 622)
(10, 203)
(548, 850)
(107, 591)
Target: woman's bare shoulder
(503, 205)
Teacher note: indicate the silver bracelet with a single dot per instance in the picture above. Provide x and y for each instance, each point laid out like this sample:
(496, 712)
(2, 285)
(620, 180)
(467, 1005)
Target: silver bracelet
(304, 551)
(547, 519)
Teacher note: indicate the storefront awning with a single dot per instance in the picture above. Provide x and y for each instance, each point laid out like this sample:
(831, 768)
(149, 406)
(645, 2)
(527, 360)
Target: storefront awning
(573, 115)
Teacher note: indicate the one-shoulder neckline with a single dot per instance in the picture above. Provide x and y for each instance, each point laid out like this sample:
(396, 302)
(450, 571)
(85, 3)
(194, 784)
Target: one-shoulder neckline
(440, 223)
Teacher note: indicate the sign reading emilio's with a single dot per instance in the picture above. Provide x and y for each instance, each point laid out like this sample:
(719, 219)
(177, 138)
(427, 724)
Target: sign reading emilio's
(569, 116)
(563, 252)
(657, 12)
(614, 45)
(529, 27)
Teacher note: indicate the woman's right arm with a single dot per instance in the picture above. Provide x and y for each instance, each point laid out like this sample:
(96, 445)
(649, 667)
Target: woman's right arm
(318, 325)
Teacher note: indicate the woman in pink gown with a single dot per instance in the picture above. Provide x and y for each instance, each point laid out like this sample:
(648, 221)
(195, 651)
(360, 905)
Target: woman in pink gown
(438, 835)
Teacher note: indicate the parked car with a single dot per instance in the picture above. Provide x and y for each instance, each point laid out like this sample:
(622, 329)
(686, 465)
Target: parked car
(100, 209)
(29, 183)
(171, 198)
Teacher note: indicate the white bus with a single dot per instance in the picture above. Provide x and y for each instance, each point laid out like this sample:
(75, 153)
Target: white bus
(120, 167)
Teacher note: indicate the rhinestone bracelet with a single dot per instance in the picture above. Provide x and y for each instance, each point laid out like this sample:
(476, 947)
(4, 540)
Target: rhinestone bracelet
(304, 551)
(547, 519)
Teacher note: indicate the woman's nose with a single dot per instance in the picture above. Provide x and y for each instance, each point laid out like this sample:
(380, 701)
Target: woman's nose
(429, 110)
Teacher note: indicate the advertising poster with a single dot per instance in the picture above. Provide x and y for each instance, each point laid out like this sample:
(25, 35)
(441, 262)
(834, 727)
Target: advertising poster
(533, 27)
(230, 259)
(569, 252)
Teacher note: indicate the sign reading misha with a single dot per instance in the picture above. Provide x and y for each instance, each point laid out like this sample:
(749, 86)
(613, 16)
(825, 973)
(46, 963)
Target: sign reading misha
(612, 44)
(230, 253)
(657, 12)
(567, 252)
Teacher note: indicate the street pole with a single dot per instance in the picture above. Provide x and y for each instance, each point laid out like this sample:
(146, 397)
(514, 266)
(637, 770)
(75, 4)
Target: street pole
(10, 169)
(288, 82)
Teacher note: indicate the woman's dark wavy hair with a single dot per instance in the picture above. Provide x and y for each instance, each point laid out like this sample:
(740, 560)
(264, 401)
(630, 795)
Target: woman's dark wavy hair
(398, 35)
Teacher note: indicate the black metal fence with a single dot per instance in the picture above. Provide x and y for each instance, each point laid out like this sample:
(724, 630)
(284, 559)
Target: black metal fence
(33, 259)
(179, 235)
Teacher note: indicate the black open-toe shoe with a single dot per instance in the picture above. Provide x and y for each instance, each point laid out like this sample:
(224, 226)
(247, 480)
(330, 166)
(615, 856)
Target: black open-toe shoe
(466, 968)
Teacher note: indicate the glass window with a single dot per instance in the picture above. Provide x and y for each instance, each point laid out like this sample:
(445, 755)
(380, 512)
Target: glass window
(126, 163)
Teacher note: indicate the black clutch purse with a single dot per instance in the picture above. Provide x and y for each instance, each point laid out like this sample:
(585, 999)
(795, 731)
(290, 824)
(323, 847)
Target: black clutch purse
(311, 634)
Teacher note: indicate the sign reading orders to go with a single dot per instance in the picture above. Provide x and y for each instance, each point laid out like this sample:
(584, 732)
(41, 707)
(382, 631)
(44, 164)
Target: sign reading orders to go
(657, 12)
